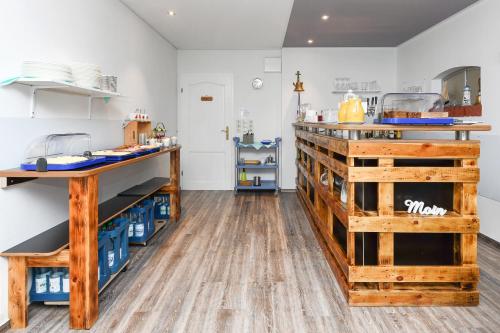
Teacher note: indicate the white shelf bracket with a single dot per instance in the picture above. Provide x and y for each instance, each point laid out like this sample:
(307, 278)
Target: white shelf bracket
(89, 107)
(33, 102)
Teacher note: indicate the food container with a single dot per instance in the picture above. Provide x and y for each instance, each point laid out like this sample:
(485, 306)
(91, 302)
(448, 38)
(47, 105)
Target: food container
(59, 152)
(351, 109)
(412, 105)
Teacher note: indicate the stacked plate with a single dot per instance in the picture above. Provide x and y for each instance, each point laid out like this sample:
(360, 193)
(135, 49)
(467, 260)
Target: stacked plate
(86, 75)
(46, 71)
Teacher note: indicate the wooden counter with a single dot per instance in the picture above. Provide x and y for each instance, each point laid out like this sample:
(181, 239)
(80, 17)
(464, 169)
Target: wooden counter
(380, 254)
(83, 230)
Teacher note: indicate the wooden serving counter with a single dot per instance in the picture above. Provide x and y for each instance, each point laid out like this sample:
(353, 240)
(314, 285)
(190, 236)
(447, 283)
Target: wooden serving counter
(380, 254)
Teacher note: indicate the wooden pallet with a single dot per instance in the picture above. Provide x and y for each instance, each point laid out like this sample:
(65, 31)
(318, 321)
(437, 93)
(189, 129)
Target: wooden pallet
(384, 283)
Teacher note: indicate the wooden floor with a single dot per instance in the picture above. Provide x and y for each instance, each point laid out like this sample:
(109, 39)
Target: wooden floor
(251, 264)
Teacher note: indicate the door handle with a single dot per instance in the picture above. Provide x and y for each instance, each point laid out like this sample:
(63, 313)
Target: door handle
(227, 132)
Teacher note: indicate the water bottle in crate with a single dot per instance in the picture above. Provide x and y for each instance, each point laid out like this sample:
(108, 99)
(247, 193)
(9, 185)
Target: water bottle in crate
(50, 285)
(143, 221)
(162, 206)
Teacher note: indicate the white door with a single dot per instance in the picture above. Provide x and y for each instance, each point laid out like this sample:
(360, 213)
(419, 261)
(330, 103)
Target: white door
(205, 113)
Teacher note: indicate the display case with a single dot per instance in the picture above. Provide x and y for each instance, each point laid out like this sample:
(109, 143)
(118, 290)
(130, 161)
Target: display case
(60, 152)
(414, 109)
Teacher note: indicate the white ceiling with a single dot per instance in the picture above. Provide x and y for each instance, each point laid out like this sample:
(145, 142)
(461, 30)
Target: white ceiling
(217, 24)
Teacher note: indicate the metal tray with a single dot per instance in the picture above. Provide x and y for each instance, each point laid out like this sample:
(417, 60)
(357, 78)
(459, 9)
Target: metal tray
(66, 167)
(416, 121)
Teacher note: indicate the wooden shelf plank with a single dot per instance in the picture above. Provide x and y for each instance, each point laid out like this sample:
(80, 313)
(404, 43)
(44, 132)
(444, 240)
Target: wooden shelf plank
(404, 222)
(413, 174)
(468, 273)
(375, 297)
(377, 127)
(85, 172)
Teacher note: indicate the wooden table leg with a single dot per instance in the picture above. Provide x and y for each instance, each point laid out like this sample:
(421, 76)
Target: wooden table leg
(175, 180)
(83, 297)
(18, 293)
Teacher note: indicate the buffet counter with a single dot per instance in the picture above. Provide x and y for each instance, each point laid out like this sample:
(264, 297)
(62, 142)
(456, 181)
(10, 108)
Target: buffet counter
(397, 219)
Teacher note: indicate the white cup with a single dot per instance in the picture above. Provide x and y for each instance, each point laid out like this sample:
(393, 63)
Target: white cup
(173, 140)
(166, 142)
(152, 141)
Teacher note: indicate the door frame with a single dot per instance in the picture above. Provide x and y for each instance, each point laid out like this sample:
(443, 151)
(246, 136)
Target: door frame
(227, 80)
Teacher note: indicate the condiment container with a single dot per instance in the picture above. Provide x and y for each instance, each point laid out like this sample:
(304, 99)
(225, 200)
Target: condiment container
(41, 283)
(55, 282)
(66, 282)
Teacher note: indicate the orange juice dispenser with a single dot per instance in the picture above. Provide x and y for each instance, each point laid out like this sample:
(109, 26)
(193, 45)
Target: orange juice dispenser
(351, 109)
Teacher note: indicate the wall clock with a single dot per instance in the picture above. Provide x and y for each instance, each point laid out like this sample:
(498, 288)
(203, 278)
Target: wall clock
(257, 83)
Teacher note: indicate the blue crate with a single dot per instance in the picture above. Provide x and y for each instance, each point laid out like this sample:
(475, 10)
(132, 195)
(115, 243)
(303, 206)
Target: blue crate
(118, 253)
(142, 219)
(162, 206)
(103, 271)
(52, 291)
(44, 274)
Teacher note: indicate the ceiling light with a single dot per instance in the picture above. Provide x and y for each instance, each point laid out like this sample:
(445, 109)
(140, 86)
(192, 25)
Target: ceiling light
(325, 17)
(171, 13)
(310, 41)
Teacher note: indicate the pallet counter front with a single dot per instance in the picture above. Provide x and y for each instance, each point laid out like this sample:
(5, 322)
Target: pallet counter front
(74, 243)
(397, 219)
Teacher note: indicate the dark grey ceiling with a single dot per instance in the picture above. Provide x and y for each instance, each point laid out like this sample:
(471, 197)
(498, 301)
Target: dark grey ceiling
(364, 23)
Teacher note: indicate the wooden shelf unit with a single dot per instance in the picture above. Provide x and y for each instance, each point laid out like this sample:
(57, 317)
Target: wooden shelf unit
(386, 283)
(85, 216)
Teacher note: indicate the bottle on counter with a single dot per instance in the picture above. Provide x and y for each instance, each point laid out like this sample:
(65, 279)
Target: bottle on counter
(467, 93)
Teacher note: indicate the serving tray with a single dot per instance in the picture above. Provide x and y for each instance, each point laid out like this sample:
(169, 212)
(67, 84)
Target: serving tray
(65, 167)
(416, 121)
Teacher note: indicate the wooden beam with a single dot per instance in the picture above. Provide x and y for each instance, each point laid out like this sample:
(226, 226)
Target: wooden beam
(403, 222)
(451, 149)
(413, 298)
(175, 179)
(414, 273)
(385, 208)
(83, 297)
(18, 293)
(59, 260)
(414, 174)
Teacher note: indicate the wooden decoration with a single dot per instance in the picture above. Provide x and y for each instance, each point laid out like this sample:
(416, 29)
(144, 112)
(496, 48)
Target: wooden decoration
(207, 98)
(133, 129)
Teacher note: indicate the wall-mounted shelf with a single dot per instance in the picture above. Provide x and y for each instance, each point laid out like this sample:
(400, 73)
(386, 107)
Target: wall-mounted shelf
(63, 87)
(359, 92)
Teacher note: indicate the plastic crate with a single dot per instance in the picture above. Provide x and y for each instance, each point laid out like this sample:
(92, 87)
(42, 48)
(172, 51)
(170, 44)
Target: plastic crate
(103, 271)
(142, 219)
(50, 285)
(118, 253)
(162, 206)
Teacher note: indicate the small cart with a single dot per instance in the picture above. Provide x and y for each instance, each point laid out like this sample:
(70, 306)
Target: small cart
(273, 184)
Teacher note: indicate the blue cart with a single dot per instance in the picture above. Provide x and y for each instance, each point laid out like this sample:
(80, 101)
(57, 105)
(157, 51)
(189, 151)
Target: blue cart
(270, 185)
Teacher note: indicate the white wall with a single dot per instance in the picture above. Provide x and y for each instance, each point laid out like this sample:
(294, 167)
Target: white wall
(101, 32)
(469, 38)
(264, 105)
(320, 67)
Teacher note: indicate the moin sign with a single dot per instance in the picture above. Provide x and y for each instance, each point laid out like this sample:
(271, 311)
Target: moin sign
(420, 208)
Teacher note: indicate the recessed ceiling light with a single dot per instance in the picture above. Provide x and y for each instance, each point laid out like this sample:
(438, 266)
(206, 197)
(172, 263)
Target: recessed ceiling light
(171, 13)
(325, 17)
(310, 41)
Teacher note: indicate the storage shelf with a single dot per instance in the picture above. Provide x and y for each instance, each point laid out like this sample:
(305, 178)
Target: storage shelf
(256, 166)
(265, 185)
(65, 87)
(361, 92)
